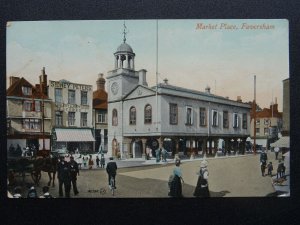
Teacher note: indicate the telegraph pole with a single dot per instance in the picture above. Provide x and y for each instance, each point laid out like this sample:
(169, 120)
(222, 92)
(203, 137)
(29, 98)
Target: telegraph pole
(254, 115)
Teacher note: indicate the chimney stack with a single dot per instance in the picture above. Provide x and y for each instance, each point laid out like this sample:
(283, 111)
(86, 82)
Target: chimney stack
(43, 81)
(239, 99)
(142, 77)
(13, 79)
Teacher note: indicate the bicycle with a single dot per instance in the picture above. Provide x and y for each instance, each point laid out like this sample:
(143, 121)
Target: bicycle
(112, 185)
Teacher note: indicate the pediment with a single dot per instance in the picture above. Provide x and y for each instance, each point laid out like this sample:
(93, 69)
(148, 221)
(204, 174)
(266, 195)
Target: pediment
(140, 91)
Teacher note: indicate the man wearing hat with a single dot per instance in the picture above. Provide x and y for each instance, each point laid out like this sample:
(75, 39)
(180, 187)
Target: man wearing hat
(64, 177)
(74, 172)
(111, 169)
(201, 189)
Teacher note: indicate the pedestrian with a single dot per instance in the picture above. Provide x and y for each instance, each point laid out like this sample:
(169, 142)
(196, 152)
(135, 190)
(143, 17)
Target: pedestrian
(102, 161)
(263, 162)
(177, 160)
(79, 161)
(201, 189)
(17, 192)
(18, 151)
(84, 160)
(157, 154)
(270, 168)
(64, 177)
(46, 193)
(176, 188)
(280, 169)
(74, 171)
(164, 155)
(97, 161)
(276, 150)
(91, 162)
(111, 170)
(32, 193)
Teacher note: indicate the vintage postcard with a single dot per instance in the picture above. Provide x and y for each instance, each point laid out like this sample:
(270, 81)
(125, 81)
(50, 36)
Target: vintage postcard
(148, 108)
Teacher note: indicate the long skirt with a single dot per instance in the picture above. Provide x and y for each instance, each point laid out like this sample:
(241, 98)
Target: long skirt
(176, 188)
(201, 191)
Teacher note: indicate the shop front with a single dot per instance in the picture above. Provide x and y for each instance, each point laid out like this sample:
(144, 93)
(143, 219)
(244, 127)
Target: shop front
(73, 139)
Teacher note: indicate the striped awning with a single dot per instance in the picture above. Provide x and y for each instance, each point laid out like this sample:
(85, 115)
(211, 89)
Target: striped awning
(74, 135)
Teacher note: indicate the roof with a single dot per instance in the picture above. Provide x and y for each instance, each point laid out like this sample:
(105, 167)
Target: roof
(266, 113)
(74, 135)
(124, 47)
(184, 92)
(16, 90)
(283, 142)
(100, 99)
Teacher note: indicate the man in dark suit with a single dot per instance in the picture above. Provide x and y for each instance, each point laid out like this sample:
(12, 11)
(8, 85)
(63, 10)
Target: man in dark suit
(111, 170)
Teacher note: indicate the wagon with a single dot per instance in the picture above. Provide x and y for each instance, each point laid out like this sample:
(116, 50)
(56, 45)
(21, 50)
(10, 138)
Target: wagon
(20, 166)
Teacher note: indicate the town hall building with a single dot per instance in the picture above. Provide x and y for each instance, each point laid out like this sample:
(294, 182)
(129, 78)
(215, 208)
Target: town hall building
(142, 118)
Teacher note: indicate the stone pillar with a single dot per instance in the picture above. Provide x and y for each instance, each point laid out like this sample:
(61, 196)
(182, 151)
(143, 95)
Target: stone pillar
(132, 62)
(144, 147)
(216, 142)
(128, 63)
(116, 62)
(204, 147)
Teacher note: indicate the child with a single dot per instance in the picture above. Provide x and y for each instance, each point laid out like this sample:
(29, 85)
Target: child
(270, 168)
(46, 193)
(17, 192)
(91, 162)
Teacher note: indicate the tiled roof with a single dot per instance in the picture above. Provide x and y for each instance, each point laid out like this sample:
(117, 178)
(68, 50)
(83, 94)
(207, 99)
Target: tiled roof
(16, 89)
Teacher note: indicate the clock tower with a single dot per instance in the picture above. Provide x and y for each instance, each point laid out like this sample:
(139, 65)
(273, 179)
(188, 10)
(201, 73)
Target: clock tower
(121, 80)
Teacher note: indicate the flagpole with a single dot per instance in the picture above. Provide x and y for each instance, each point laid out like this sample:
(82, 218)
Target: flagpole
(254, 115)
(156, 75)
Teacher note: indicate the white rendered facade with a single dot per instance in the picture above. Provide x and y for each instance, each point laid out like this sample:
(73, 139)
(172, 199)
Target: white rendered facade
(129, 101)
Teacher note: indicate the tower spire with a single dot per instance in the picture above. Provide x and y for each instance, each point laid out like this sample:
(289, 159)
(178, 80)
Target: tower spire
(124, 32)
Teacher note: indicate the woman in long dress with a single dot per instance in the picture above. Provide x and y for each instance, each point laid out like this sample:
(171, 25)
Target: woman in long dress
(201, 189)
(176, 188)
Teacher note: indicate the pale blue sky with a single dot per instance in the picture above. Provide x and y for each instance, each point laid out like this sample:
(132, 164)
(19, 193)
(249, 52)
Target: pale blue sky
(226, 60)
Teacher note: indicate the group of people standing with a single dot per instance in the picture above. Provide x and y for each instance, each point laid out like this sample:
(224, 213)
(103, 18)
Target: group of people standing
(161, 154)
(269, 167)
(85, 162)
(175, 179)
(67, 175)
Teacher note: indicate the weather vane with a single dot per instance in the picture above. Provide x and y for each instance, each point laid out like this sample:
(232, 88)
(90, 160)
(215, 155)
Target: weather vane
(125, 32)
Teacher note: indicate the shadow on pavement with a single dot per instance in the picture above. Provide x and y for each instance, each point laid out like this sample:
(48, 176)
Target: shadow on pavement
(218, 194)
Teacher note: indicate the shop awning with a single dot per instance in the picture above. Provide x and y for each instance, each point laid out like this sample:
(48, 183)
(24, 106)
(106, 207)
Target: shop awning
(74, 135)
(262, 142)
(283, 142)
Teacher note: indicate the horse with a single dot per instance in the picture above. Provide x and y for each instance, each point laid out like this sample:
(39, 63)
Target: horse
(45, 164)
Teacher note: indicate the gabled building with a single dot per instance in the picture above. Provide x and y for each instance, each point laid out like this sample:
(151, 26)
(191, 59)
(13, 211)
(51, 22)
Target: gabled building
(100, 115)
(28, 113)
(268, 125)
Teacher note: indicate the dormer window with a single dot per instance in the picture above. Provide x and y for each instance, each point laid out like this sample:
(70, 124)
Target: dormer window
(26, 90)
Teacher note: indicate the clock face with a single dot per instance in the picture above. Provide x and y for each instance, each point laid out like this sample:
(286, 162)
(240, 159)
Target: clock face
(114, 88)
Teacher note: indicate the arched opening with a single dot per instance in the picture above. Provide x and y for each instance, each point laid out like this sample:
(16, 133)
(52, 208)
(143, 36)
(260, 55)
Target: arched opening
(152, 143)
(137, 148)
